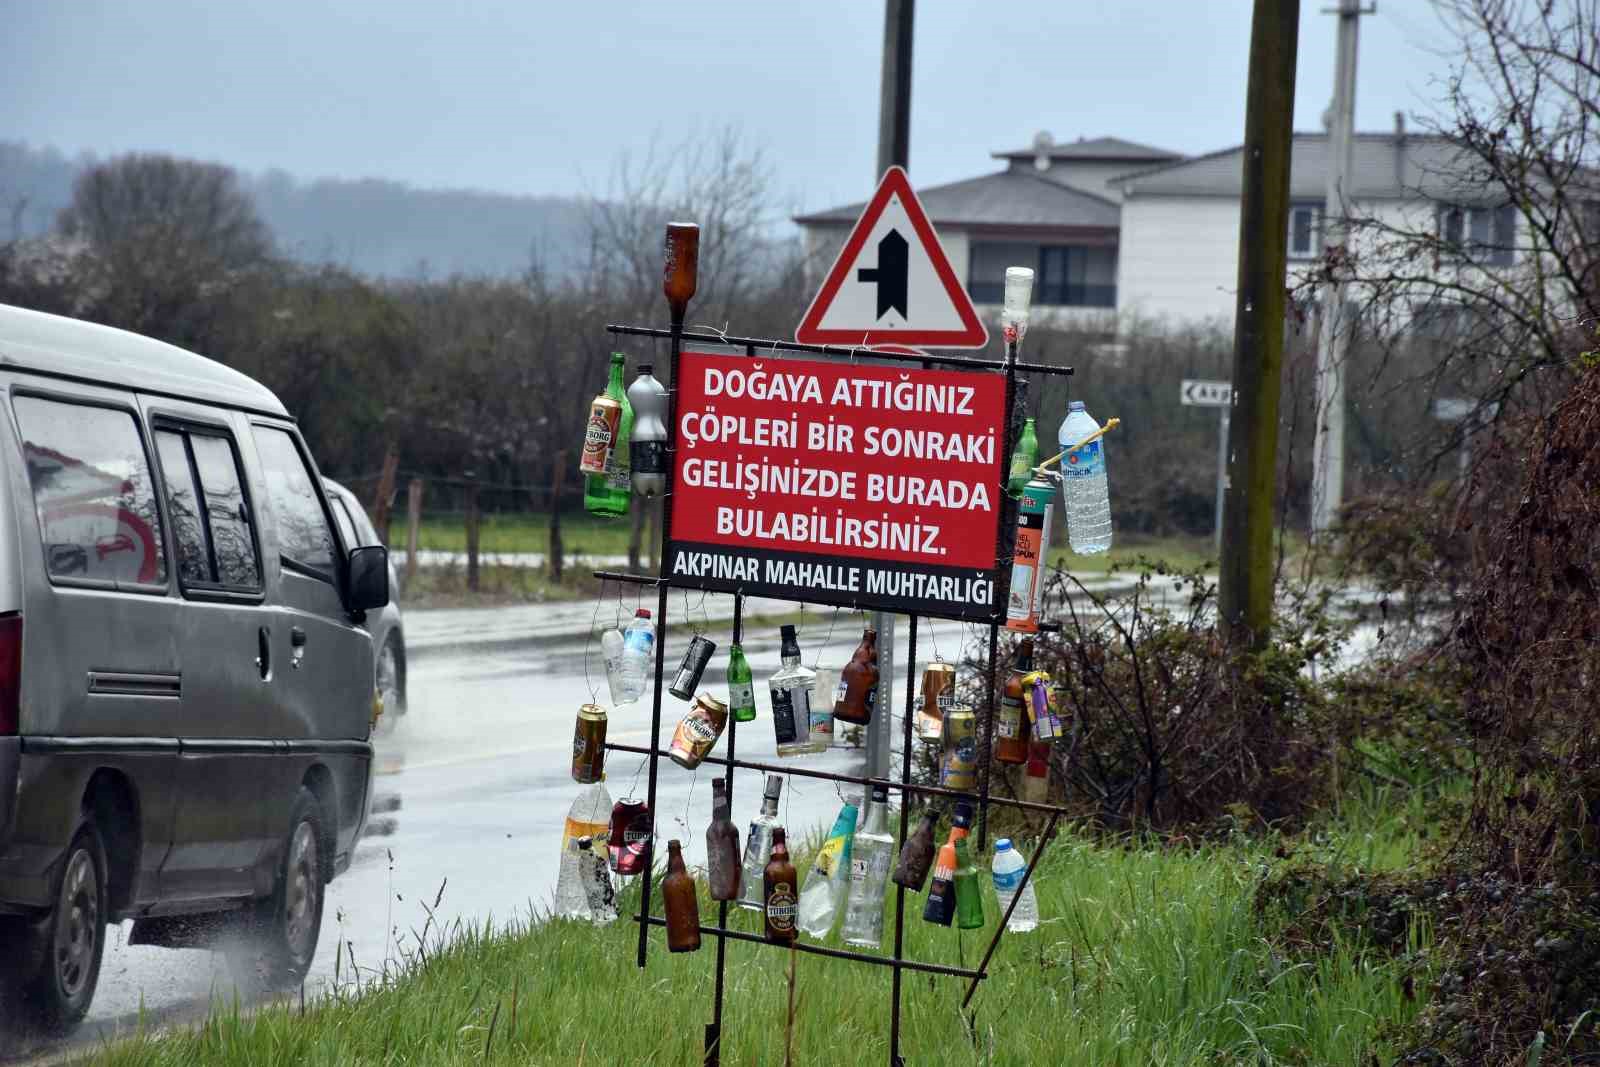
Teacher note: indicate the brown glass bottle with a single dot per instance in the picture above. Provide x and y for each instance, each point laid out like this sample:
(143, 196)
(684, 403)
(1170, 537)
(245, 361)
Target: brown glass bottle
(722, 846)
(916, 856)
(683, 907)
(858, 683)
(1011, 727)
(781, 891)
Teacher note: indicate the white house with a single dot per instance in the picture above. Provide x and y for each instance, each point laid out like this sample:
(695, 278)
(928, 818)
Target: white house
(1054, 208)
(1179, 236)
(1118, 231)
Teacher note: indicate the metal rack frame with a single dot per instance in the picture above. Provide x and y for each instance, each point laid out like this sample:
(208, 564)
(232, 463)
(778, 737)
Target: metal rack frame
(1005, 521)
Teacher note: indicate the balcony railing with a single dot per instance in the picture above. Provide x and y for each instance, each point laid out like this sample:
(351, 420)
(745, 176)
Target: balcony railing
(1050, 294)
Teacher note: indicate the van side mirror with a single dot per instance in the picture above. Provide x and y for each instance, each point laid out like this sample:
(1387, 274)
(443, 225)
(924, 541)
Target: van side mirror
(368, 578)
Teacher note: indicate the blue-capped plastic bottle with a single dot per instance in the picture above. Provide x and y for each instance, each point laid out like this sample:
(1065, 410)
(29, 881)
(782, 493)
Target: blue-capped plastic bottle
(1083, 483)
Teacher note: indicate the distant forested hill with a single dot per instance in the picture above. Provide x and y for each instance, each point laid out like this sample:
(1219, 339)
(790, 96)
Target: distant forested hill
(372, 226)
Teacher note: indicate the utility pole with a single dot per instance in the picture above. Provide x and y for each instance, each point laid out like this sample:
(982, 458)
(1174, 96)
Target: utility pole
(1327, 457)
(1245, 592)
(894, 149)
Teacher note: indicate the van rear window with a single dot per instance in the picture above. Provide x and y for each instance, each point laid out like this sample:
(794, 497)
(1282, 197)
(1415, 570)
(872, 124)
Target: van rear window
(92, 492)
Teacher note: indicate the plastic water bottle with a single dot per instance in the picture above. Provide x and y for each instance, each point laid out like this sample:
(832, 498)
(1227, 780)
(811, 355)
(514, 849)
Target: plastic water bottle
(1007, 870)
(589, 816)
(822, 895)
(1083, 483)
(611, 649)
(638, 654)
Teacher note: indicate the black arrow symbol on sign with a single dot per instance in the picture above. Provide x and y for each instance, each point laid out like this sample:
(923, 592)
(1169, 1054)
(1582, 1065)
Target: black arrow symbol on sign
(890, 274)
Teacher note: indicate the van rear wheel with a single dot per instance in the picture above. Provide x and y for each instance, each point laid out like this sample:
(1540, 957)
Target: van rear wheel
(281, 938)
(65, 948)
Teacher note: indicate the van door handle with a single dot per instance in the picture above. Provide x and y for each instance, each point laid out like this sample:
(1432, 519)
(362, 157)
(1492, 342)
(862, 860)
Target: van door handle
(297, 645)
(264, 653)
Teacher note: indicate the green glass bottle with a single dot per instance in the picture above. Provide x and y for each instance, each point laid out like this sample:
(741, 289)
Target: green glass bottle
(1023, 459)
(741, 686)
(609, 493)
(969, 897)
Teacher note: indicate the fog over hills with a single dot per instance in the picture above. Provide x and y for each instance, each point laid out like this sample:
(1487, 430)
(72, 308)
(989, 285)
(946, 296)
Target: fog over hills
(371, 225)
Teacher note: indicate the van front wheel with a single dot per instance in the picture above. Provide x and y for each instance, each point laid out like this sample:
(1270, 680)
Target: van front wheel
(283, 935)
(67, 945)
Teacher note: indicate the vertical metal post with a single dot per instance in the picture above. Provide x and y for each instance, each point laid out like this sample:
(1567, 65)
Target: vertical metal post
(661, 626)
(1327, 480)
(1222, 473)
(905, 821)
(1245, 586)
(1003, 546)
(713, 1044)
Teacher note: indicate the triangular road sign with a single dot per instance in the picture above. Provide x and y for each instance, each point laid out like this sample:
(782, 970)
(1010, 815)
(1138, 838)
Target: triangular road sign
(891, 284)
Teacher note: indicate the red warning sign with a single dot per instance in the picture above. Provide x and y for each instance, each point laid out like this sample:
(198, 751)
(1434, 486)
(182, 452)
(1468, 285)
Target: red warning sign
(892, 284)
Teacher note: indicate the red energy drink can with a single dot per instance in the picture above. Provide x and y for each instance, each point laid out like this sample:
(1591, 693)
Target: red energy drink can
(628, 844)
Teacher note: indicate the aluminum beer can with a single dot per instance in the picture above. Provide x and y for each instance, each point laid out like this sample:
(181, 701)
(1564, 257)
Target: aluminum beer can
(628, 843)
(958, 767)
(695, 658)
(938, 697)
(600, 434)
(698, 731)
(589, 744)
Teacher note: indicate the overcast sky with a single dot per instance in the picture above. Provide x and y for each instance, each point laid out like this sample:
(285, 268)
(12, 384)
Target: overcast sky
(535, 96)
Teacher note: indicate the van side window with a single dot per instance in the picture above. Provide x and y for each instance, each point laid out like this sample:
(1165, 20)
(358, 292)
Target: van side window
(305, 542)
(92, 492)
(216, 542)
(341, 516)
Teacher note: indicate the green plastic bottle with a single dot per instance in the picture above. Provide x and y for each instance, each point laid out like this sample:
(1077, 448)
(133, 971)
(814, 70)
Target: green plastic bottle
(1023, 459)
(741, 686)
(608, 494)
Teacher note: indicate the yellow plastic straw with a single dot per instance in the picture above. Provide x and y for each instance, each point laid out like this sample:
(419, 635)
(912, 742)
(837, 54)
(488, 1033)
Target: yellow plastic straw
(1110, 425)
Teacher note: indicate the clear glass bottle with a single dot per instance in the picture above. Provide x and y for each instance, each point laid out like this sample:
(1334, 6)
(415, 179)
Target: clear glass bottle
(822, 894)
(758, 845)
(792, 689)
(647, 445)
(869, 871)
(589, 816)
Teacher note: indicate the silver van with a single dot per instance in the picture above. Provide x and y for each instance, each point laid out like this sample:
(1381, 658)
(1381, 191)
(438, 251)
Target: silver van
(186, 683)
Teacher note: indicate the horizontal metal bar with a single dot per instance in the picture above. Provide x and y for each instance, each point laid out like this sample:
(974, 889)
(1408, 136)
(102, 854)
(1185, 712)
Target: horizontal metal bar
(855, 779)
(628, 579)
(835, 953)
(862, 352)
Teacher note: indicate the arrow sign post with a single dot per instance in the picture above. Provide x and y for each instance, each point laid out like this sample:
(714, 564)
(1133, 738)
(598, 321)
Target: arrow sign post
(1197, 392)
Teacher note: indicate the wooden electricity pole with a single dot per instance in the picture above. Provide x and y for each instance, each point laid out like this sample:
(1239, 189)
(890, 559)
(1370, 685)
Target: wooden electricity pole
(1245, 593)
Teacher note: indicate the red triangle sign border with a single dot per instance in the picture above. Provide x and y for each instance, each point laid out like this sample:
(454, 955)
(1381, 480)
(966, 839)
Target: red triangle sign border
(973, 333)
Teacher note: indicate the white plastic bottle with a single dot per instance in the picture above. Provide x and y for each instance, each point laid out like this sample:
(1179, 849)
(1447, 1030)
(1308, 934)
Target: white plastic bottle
(590, 817)
(638, 655)
(611, 648)
(1007, 871)
(1083, 483)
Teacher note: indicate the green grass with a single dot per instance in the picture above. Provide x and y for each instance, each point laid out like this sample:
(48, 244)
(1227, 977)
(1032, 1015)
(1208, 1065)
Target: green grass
(1146, 956)
(586, 534)
(581, 533)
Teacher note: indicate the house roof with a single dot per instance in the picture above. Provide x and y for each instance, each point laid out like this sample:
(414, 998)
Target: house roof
(1009, 198)
(1382, 166)
(1112, 149)
(72, 348)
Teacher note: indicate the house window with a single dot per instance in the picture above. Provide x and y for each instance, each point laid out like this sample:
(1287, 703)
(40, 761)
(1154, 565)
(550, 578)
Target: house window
(1305, 231)
(1484, 234)
(1064, 275)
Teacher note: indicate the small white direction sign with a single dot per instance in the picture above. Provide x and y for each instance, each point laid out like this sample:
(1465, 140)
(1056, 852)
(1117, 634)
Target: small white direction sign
(1206, 394)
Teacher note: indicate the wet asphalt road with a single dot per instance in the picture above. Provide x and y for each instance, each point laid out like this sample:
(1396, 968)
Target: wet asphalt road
(481, 765)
